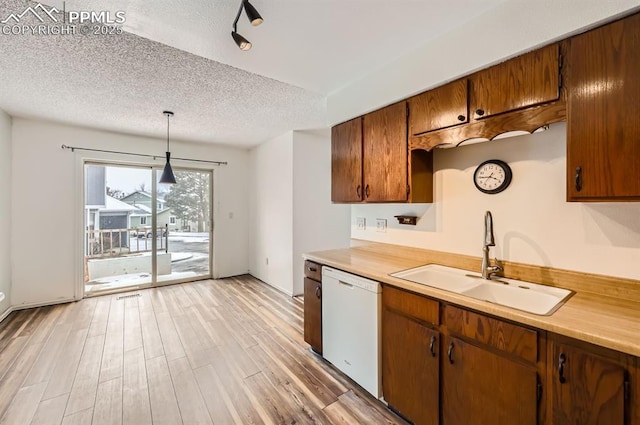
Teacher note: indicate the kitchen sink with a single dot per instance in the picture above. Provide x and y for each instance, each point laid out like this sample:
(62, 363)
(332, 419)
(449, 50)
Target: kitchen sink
(526, 296)
(437, 276)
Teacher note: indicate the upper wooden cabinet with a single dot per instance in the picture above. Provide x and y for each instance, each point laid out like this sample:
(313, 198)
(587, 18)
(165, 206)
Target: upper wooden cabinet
(524, 81)
(385, 154)
(441, 107)
(603, 129)
(346, 161)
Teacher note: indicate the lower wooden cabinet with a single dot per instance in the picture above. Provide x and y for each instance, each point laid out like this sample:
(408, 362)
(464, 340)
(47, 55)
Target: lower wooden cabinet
(313, 306)
(410, 368)
(485, 388)
(446, 365)
(586, 388)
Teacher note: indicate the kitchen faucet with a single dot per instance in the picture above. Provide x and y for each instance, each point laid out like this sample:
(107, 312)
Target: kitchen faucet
(487, 269)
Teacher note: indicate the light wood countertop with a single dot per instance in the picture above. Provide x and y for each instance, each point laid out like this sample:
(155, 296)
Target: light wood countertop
(589, 315)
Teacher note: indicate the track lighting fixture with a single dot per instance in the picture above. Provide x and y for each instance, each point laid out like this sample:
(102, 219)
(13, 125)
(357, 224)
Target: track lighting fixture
(255, 19)
(167, 174)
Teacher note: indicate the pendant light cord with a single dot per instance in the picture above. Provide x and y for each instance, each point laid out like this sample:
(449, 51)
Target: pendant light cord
(168, 116)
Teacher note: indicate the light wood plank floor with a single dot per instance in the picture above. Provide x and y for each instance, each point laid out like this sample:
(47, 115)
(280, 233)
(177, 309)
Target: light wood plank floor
(227, 351)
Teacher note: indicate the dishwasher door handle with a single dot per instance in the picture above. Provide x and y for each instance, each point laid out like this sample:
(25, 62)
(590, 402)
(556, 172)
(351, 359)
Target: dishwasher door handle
(345, 284)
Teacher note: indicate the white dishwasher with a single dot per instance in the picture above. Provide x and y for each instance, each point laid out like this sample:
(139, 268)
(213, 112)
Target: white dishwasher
(351, 327)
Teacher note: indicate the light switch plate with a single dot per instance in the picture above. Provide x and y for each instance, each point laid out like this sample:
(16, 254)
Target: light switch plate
(381, 225)
(361, 223)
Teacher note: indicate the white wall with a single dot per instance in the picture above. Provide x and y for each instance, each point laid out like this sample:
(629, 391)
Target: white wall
(291, 210)
(5, 211)
(513, 27)
(271, 212)
(47, 204)
(533, 223)
(317, 223)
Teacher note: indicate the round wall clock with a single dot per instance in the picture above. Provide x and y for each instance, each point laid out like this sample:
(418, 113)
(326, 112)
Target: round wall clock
(492, 176)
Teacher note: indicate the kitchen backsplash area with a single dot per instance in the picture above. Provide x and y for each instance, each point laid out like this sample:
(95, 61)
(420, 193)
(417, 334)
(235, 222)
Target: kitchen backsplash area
(533, 222)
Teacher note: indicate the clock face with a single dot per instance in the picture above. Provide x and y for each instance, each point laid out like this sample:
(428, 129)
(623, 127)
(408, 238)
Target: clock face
(492, 176)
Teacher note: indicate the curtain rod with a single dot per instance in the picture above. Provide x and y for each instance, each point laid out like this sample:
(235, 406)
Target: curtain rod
(74, 148)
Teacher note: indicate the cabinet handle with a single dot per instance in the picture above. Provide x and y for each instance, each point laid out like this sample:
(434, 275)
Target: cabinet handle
(561, 361)
(358, 191)
(479, 112)
(461, 117)
(578, 179)
(318, 292)
(312, 269)
(366, 191)
(450, 353)
(432, 346)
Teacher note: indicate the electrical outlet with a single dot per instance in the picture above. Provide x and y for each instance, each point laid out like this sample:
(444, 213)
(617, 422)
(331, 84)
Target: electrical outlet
(362, 223)
(381, 225)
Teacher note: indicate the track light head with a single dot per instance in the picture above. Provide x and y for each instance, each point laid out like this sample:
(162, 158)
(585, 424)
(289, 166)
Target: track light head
(252, 13)
(253, 16)
(242, 42)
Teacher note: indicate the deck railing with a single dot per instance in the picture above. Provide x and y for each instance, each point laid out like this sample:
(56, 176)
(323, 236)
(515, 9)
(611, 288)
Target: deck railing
(117, 242)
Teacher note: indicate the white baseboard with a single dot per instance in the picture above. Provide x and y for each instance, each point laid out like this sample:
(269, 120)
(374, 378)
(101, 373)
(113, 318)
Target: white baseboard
(34, 305)
(6, 313)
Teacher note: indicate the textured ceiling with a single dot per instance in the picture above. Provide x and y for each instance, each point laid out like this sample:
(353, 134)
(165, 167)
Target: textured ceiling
(179, 55)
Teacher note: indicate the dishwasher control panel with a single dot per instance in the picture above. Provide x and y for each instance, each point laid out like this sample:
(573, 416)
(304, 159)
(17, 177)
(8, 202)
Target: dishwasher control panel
(347, 279)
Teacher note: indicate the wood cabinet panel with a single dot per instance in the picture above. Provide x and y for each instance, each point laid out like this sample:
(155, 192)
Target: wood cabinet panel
(479, 387)
(410, 304)
(313, 270)
(313, 314)
(603, 130)
(444, 106)
(410, 368)
(526, 80)
(385, 154)
(512, 339)
(585, 389)
(346, 161)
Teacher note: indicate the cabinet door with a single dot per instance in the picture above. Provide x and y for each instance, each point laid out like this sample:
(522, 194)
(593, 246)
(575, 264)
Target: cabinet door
(603, 130)
(313, 314)
(527, 80)
(483, 388)
(346, 161)
(586, 390)
(441, 107)
(385, 154)
(410, 371)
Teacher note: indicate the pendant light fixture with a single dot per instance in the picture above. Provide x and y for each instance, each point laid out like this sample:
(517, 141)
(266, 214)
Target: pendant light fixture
(255, 19)
(167, 174)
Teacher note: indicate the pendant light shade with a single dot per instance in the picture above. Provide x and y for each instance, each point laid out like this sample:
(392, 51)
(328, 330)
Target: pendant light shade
(167, 176)
(252, 14)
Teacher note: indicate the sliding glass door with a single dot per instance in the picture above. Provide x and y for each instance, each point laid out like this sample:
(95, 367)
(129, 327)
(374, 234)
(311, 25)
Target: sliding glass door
(183, 218)
(139, 233)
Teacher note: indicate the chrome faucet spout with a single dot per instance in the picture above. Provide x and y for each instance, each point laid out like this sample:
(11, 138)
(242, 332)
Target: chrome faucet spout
(488, 230)
(487, 269)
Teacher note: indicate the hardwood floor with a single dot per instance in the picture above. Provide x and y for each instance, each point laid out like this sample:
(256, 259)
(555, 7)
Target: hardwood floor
(227, 351)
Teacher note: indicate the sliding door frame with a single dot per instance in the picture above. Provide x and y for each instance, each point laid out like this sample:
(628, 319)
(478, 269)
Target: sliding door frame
(116, 160)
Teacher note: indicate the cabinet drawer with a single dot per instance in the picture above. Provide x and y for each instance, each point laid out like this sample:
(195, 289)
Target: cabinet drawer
(410, 304)
(512, 339)
(313, 270)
